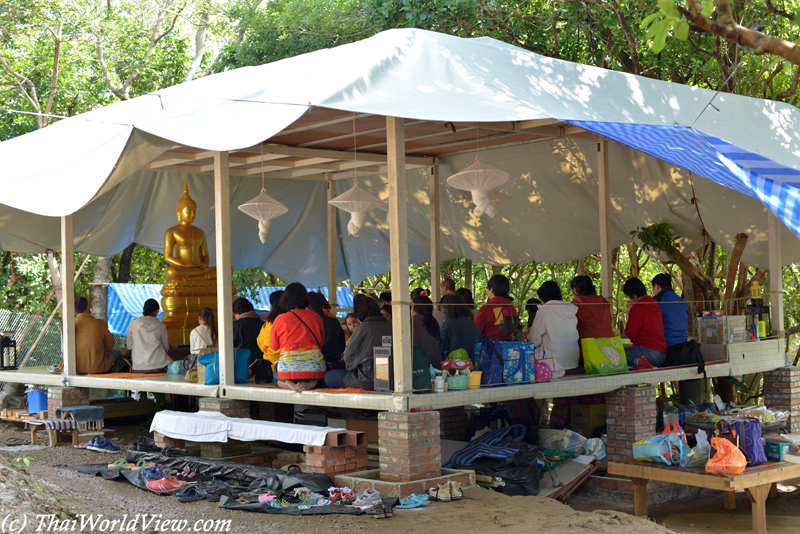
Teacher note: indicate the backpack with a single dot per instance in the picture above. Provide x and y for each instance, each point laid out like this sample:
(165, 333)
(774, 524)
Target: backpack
(686, 353)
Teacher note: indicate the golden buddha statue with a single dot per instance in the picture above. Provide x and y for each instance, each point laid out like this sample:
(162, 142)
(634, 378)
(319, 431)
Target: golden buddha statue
(185, 247)
(191, 283)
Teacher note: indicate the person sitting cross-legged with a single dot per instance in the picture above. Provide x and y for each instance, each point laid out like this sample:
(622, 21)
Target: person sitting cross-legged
(645, 328)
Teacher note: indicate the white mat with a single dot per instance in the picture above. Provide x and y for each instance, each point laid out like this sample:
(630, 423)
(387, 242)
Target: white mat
(216, 427)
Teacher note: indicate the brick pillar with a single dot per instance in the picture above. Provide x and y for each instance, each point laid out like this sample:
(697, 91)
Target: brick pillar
(453, 423)
(336, 460)
(409, 446)
(160, 440)
(274, 411)
(231, 408)
(782, 392)
(631, 417)
(69, 396)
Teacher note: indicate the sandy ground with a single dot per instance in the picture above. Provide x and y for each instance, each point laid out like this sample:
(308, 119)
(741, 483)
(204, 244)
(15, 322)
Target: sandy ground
(480, 511)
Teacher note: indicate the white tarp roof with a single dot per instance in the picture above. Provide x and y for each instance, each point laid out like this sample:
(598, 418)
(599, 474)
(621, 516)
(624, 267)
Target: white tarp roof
(89, 165)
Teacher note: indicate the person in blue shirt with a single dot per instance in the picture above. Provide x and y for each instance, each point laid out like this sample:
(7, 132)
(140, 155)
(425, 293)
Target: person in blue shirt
(674, 311)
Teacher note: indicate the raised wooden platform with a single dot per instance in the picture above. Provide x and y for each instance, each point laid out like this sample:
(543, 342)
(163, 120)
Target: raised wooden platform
(756, 482)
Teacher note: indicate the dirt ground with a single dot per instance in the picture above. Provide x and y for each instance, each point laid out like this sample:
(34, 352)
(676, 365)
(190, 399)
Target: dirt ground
(480, 511)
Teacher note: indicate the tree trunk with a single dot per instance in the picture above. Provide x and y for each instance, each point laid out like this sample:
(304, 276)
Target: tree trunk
(468, 275)
(634, 259)
(497, 269)
(102, 276)
(581, 266)
(730, 282)
(124, 268)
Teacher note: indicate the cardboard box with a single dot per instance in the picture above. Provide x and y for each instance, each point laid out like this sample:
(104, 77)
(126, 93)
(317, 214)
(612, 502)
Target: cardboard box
(775, 449)
(368, 427)
(725, 329)
(591, 417)
(587, 431)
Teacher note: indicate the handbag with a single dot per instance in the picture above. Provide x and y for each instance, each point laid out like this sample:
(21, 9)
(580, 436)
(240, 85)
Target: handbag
(749, 432)
(686, 353)
(490, 362)
(176, 368)
(603, 356)
(191, 375)
(518, 361)
(190, 362)
(241, 358)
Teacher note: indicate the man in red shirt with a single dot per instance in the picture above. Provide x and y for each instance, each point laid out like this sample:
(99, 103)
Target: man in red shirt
(498, 318)
(645, 327)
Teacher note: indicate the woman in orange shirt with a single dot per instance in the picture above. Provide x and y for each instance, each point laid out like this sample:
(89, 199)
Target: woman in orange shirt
(298, 335)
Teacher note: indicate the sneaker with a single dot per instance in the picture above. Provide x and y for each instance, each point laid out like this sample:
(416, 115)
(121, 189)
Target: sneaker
(103, 445)
(441, 493)
(366, 498)
(455, 490)
(165, 485)
(90, 443)
(54, 369)
(376, 511)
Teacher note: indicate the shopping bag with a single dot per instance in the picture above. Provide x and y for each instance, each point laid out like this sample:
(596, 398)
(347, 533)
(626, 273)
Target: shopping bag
(749, 431)
(489, 362)
(603, 356)
(518, 361)
(241, 358)
(728, 460)
(665, 448)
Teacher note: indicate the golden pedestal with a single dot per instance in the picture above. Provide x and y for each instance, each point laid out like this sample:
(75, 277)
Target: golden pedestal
(182, 301)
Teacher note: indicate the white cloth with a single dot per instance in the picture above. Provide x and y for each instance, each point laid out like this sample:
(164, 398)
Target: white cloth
(192, 426)
(439, 316)
(555, 330)
(200, 339)
(148, 344)
(214, 426)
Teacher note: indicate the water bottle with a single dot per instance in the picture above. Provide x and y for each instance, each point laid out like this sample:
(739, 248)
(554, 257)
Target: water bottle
(670, 414)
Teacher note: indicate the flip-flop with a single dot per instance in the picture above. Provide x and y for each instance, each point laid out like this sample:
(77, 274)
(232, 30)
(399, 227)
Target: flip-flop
(413, 501)
(169, 451)
(81, 446)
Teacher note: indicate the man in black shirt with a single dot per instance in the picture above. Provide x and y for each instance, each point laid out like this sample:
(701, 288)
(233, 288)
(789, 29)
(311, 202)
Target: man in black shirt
(334, 343)
(246, 328)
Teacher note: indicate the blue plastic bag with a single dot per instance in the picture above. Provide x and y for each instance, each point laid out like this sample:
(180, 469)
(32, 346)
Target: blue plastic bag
(490, 362)
(176, 368)
(240, 360)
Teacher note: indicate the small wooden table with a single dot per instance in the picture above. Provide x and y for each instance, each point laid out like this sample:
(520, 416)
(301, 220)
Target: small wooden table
(756, 481)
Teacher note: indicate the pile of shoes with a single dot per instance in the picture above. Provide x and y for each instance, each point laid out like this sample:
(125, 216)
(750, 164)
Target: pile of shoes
(371, 502)
(144, 444)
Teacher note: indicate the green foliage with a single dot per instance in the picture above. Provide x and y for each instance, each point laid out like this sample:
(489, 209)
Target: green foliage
(657, 237)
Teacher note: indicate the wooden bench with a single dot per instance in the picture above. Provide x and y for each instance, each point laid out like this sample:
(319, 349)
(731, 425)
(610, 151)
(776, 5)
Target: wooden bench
(756, 482)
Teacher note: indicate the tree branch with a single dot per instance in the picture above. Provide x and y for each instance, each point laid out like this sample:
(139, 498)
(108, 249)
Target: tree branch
(727, 28)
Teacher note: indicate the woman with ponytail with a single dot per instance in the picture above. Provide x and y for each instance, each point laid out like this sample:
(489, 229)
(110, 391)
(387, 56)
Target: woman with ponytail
(205, 335)
(425, 331)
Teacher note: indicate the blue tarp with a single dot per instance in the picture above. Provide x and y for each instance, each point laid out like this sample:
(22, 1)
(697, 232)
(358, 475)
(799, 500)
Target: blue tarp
(125, 302)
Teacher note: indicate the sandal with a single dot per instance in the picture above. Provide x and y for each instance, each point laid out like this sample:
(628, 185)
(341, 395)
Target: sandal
(141, 464)
(122, 465)
(191, 494)
(293, 470)
(169, 451)
(414, 500)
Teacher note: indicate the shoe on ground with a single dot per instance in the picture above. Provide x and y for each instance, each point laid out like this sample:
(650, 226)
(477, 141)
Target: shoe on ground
(165, 485)
(455, 490)
(441, 493)
(122, 465)
(103, 445)
(376, 511)
(366, 498)
(54, 369)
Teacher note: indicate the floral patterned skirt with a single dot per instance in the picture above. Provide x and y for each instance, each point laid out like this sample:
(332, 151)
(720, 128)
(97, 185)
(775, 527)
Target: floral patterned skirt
(300, 365)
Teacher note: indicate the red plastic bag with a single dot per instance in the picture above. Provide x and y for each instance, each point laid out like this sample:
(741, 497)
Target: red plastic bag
(675, 428)
(728, 460)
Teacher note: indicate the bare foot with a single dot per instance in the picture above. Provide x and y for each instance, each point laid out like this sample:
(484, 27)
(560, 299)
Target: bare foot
(300, 387)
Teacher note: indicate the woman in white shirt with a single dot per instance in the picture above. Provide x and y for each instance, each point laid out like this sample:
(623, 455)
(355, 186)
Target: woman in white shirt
(554, 332)
(205, 335)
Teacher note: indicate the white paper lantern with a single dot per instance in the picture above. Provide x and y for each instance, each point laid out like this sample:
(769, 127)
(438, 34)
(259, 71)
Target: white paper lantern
(357, 203)
(263, 208)
(479, 178)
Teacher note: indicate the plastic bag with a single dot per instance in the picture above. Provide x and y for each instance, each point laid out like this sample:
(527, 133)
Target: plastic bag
(665, 448)
(699, 454)
(520, 474)
(728, 460)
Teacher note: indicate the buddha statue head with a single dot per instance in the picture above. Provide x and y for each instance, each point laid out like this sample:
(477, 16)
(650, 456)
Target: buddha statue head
(187, 207)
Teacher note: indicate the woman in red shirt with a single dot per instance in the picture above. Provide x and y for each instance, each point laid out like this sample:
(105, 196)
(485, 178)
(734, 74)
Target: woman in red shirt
(644, 328)
(594, 311)
(298, 335)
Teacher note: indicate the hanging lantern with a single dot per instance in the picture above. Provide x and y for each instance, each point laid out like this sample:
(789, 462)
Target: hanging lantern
(479, 178)
(495, 198)
(263, 208)
(357, 203)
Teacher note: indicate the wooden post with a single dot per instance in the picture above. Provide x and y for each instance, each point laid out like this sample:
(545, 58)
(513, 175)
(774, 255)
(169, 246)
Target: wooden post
(68, 295)
(640, 496)
(606, 273)
(332, 238)
(433, 214)
(775, 274)
(222, 235)
(398, 251)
